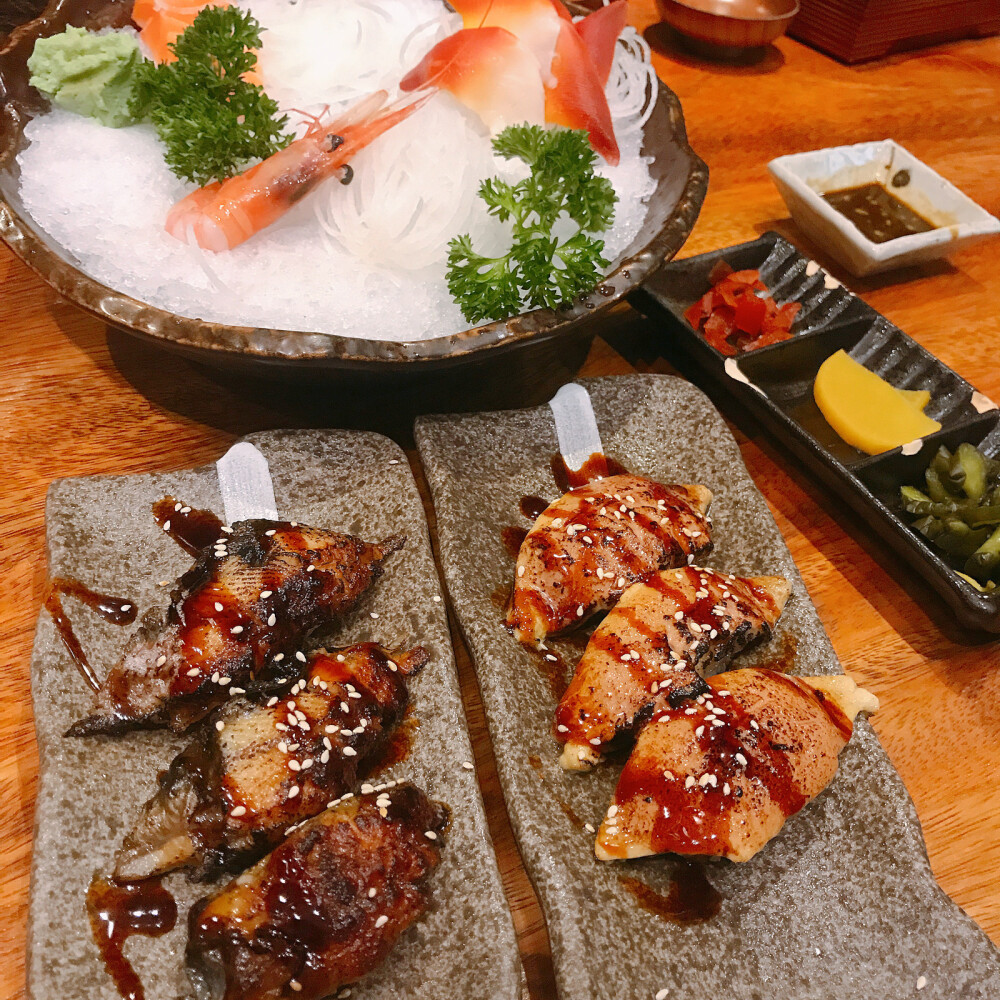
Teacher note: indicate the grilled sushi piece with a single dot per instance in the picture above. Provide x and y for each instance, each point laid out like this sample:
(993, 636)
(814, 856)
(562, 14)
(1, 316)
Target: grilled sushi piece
(324, 908)
(594, 542)
(232, 793)
(654, 648)
(721, 774)
(235, 618)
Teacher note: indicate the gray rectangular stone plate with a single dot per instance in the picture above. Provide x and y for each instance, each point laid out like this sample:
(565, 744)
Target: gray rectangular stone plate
(100, 530)
(841, 904)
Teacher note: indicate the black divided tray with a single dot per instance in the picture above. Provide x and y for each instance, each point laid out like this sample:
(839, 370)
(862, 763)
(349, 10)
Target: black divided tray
(775, 384)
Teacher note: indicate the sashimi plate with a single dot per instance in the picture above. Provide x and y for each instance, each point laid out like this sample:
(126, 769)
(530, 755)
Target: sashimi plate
(680, 179)
(100, 531)
(841, 903)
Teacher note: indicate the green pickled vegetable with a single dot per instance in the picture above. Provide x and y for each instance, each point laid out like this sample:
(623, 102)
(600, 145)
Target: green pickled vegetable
(973, 465)
(959, 512)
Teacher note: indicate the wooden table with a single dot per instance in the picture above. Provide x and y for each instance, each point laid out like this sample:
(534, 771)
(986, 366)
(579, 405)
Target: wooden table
(70, 406)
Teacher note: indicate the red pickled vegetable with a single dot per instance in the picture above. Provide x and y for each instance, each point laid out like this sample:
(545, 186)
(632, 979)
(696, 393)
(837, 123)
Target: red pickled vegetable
(738, 314)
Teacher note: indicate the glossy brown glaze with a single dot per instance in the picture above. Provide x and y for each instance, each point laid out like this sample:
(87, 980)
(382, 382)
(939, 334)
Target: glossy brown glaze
(327, 905)
(512, 538)
(597, 539)
(654, 647)
(877, 213)
(119, 910)
(598, 466)
(691, 898)
(117, 610)
(532, 507)
(237, 617)
(194, 530)
(258, 769)
(568, 811)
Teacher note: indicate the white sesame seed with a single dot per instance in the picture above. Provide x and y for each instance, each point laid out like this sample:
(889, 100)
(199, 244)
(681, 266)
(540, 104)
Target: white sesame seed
(294, 983)
(620, 582)
(160, 660)
(310, 567)
(596, 741)
(367, 789)
(126, 607)
(236, 629)
(430, 835)
(921, 982)
(562, 729)
(271, 619)
(382, 921)
(272, 701)
(520, 571)
(227, 529)
(293, 791)
(612, 812)
(279, 657)
(467, 765)
(350, 752)
(166, 525)
(579, 611)
(220, 725)
(238, 811)
(300, 656)
(236, 690)
(373, 614)
(742, 760)
(270, 533)
(294, 765)
(589, 828)
(726, 789)
(436, 598)
(689, 782)
(662, 994)
(218, 606)
(699, 731)
(193, 672)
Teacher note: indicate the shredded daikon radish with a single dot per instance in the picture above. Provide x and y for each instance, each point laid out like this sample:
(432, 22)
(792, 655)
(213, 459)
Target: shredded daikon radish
(632, 86)
(412, 191)
(318, 52)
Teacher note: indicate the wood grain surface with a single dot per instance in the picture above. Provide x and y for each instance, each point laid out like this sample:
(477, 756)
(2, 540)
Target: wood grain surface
(77, 399)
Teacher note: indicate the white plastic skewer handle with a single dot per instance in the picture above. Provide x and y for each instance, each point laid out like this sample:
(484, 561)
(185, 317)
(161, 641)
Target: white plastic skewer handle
(576, 425)
(245, 483)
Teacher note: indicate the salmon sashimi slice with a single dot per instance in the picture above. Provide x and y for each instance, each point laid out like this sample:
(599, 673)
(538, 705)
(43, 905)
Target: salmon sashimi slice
(489, 71)
(257, 769)
(595, 541)
(719, 775)
(326, 906)
(237, 618)
(655, 647)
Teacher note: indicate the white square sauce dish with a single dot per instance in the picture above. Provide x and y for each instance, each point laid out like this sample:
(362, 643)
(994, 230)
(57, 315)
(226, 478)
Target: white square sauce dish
(858, 172)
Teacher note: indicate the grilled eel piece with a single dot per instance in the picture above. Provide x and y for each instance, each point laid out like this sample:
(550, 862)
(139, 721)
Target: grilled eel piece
(655, 646)
(720, 775)
(232, 793)
(235, 618)
(324, 908)
(594, 542)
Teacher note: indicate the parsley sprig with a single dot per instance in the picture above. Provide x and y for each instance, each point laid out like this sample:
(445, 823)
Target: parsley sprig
(211, 120)
(540, 269)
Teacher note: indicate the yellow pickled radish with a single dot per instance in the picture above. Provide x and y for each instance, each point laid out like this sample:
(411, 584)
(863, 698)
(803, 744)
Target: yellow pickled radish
(865, 410)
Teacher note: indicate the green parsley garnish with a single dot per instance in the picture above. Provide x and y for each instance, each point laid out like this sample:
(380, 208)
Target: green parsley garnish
(540, 269)
(212, 121)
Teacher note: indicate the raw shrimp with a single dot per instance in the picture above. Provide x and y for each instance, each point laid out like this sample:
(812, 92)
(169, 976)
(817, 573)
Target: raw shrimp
(224, 214)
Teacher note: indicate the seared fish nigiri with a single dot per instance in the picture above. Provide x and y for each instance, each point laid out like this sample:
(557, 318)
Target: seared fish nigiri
(655, 646)
(720, 775)
(230, 795)
(324, 908)
(238, 615)
(595, 541)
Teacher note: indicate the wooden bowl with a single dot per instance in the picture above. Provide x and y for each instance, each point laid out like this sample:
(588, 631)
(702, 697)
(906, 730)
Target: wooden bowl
(728, 28)
(681, 182)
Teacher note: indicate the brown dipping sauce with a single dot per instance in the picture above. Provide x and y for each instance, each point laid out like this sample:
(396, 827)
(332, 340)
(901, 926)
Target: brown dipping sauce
(117, 610)
(192, 529)
(117, 910)
(877, 213)
(691, 899)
